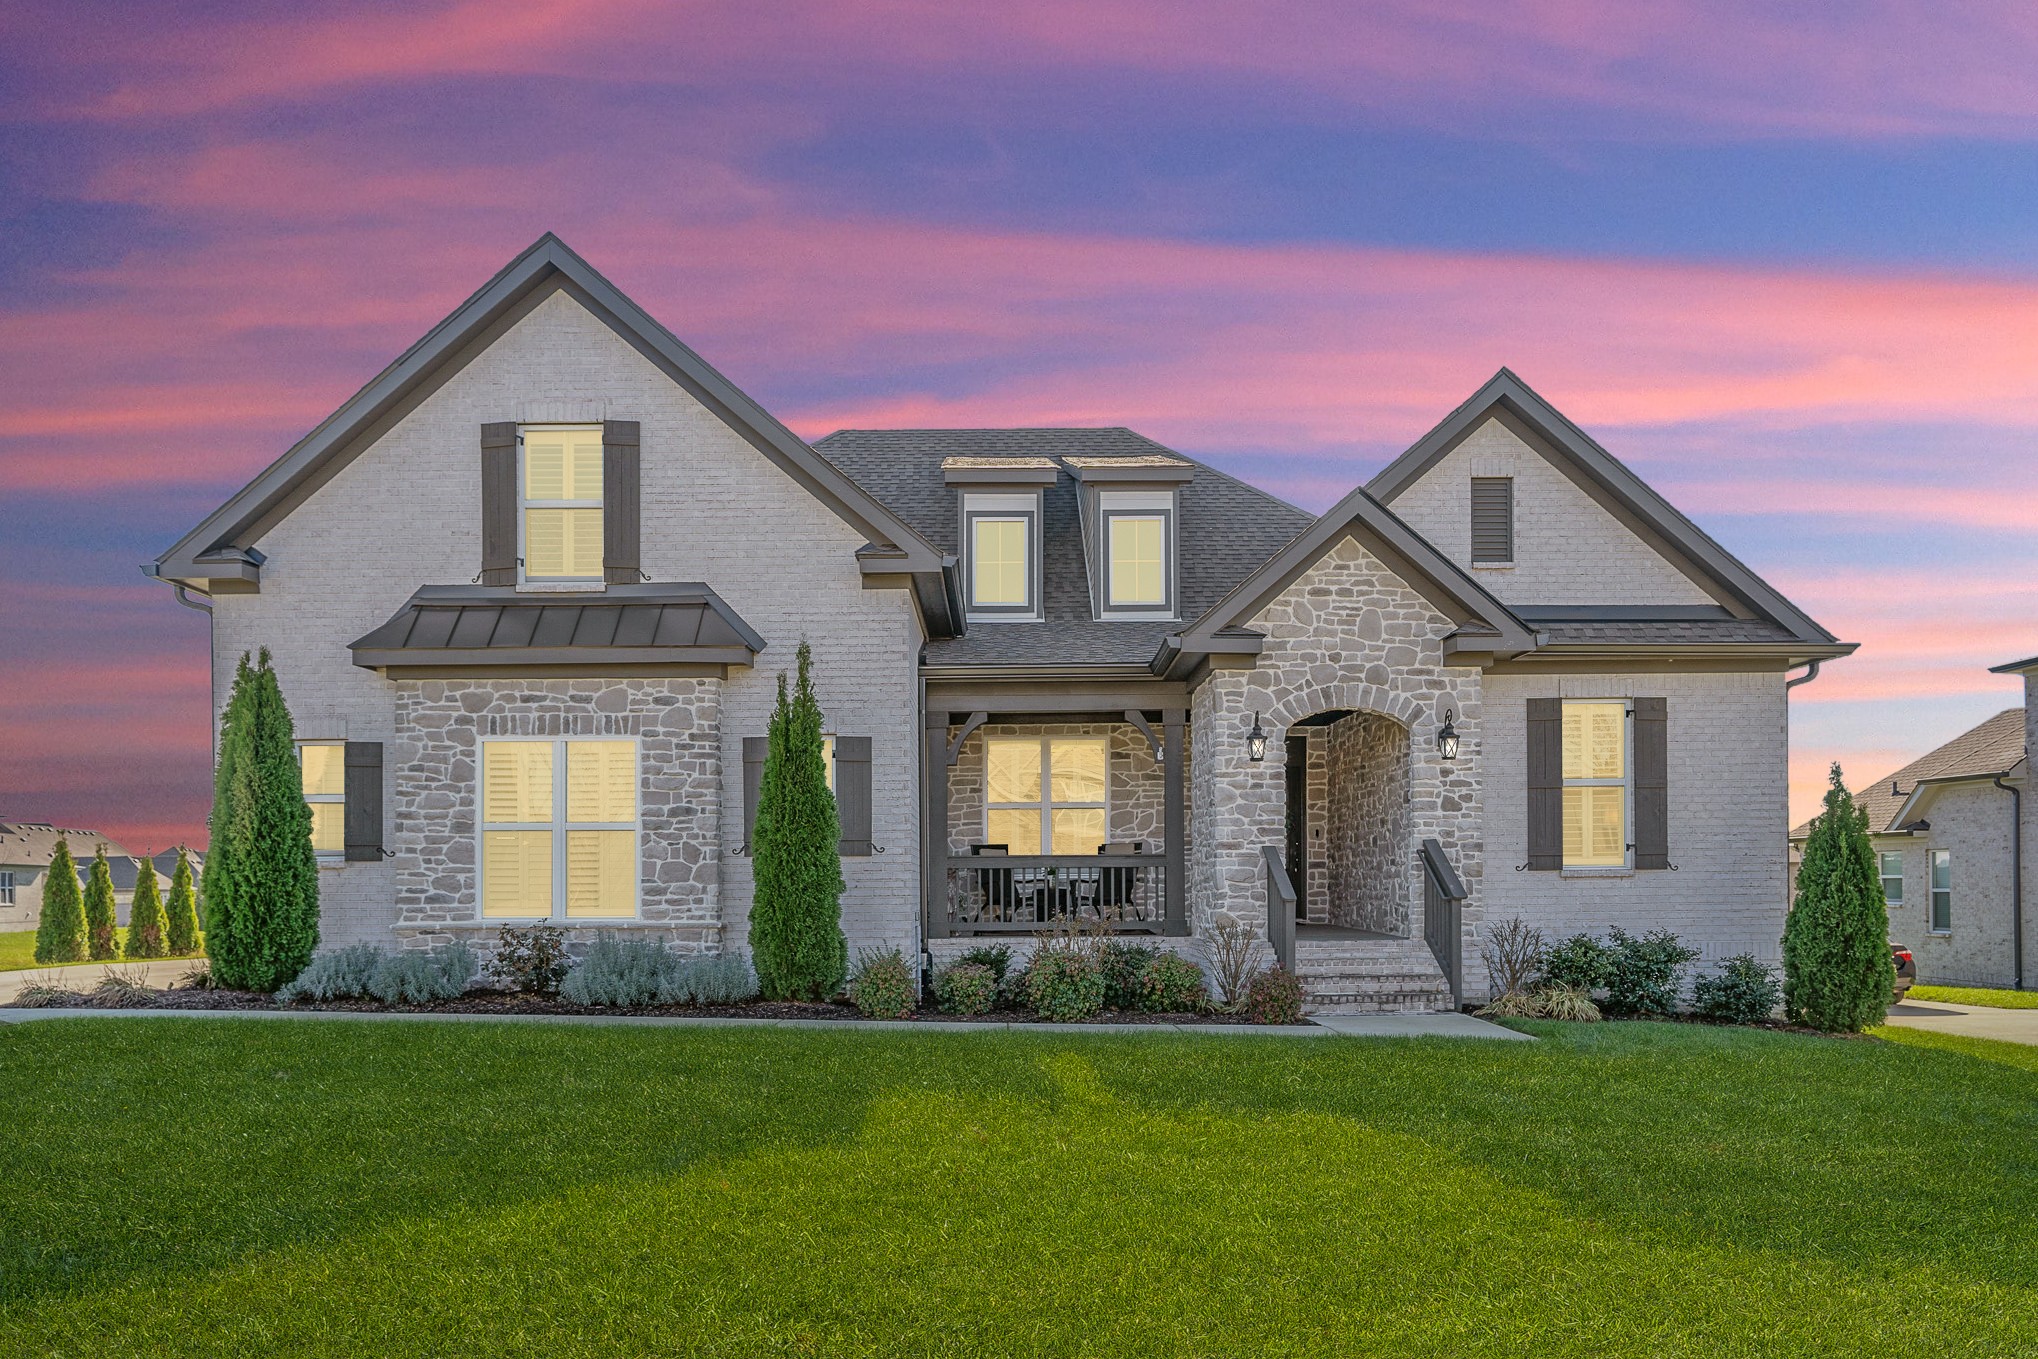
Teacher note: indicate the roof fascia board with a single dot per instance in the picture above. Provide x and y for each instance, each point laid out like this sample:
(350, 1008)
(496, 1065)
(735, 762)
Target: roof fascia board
(528, 280)
(1612, 485)
(983, 478)
(2025, 667)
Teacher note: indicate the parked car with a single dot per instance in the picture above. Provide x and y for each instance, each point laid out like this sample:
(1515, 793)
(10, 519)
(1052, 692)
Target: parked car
(1906, 972)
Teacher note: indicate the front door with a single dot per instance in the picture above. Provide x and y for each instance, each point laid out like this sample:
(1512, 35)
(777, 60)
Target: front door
(1298, 793)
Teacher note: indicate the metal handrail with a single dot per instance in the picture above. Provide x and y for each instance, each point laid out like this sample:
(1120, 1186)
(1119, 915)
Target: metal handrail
(1443, 916)
(1280, 908)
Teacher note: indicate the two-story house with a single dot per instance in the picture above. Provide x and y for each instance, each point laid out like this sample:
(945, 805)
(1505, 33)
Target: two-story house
(529, 590)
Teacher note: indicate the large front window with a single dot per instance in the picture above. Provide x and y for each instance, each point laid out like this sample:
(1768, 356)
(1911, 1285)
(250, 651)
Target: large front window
(324, 764)
(559, 829)
(1596, 784)
(1045, 794)
(561, 503)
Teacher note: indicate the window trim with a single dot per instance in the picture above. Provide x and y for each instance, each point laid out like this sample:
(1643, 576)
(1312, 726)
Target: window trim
(1020, 508)
(1116, 505)
(327, 856)
(598, 580)
(1626, 783)
(1882, 860)
(558, 826)
(1936, 859)
(1046, 806)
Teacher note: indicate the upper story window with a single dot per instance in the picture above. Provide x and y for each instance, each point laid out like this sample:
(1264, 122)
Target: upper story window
(1941, 921)
(1890, 866)
(325, 790)
(1002, 543)
(1596, 784)
(559, 509)
(1139, 568)
(1492, 521)
(7, 887)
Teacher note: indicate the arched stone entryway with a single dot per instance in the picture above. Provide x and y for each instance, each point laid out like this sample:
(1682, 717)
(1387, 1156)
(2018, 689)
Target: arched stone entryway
(1348, 822)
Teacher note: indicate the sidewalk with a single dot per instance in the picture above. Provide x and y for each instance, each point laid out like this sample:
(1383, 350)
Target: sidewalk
(1330, 1026)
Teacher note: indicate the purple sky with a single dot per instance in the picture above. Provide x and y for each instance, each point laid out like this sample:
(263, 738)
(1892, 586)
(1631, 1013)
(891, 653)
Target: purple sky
(1786, 267)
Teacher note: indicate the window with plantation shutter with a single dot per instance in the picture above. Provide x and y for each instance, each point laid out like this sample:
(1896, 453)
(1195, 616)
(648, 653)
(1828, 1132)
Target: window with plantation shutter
(1492, 521)
(559, 829)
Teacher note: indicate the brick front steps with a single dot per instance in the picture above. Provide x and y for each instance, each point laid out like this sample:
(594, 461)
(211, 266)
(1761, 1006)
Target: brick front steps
(1370, 976)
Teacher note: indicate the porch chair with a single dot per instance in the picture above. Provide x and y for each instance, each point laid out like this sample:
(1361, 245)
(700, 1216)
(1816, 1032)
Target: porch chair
(1117, 887)
(994, 885)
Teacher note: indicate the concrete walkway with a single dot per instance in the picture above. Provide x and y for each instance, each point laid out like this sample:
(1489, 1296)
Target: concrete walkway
(160, 973)
(1974, 1021)
(1330, 1026)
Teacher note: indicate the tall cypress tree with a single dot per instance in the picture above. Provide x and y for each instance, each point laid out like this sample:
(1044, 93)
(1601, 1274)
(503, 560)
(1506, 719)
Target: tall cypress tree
(261, 922)
(1837, 972)
(796, 938)
(100, 943)
(146, 924)
(60, 934)
(180, 933)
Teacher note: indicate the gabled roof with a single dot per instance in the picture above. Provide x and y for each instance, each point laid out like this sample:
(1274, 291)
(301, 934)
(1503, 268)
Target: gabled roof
(1982, 752)
(33, 843)
(218, 548)
(2023, 667)
(1608, 481)
(1485, 626)
(1227, 530)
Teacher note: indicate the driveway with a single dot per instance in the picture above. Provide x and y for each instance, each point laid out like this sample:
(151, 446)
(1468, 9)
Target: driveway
(1975, 1021)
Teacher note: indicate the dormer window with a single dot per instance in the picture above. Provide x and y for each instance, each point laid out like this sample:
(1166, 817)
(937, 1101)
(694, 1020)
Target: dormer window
(1136, 548)
(559, 507)
(1003, 537)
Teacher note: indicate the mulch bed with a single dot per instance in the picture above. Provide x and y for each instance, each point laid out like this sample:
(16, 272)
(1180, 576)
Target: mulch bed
(512, 1003)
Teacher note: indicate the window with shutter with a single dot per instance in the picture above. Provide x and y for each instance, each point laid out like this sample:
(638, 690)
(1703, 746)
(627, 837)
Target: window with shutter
(364, 801)
(1492, 521)
(324, 766)
(560, 494)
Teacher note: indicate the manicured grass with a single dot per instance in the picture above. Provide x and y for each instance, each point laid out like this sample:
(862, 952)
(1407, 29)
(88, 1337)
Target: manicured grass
(220, 1187)
(2000, 999)
(17, 950)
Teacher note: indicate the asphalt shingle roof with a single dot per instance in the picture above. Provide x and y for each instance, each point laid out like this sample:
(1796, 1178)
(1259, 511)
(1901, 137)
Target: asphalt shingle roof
(1227, 530)
(1993, 747)
(1666, 632)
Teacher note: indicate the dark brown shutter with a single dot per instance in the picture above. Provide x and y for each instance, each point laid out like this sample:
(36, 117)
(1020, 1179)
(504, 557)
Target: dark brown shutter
(1492, 519)
(1652, 783)
(363, 818)
(499, 503)
(755, 749)
(622, 498)
(852, 793)
(1545, 784)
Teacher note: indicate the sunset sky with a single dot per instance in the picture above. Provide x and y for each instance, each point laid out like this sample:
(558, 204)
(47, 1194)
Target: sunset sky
(1783, 260)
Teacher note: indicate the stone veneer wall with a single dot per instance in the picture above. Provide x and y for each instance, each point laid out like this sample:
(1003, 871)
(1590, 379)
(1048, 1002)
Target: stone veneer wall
(1315, 835)
(677, 723)
(1346, 634)
(1134, 792)
(1365, 818)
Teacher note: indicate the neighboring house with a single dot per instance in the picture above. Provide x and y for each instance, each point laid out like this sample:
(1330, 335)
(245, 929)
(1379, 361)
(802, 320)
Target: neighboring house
(1948, 850)
(528, 593)
(26, 848)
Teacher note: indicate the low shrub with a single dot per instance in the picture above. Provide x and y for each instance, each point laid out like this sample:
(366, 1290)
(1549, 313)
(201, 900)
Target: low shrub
(1171, 984)
(1512, 1005)
(1123, 964)
(966, 989)
(531, 958)
(997, 957)
(1745, 991)
(338, 974)
(1274, 996)
(1642, 973)
(123, 986)
(882, 986)
(1064, 986)
(711, 979)
(1235, 955)
(620, 972)
(1513, 950)
(1565, 1002)
(413, 976)
(1580, 962)
(197, 978)
(43, 994)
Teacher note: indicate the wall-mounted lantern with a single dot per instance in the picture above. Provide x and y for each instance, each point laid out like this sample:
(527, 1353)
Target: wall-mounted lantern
(1447, 738)
(1256, 742)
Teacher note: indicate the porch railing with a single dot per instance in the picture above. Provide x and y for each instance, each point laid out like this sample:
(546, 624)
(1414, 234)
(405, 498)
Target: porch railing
(1027, 893)
(1443, 916)
(1280, 908)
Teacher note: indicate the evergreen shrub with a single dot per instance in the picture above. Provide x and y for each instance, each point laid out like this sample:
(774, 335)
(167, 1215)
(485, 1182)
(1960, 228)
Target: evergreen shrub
(180, 935)
(1274, 996)
(101, 943)
(1744, 992)
(1064, 985)
(1580, 962)
(883, 987)
(966, 988)
(337, 974)
(1123, 963)
(1171, 984)
(1837, 972)
(621, 972)
(411, 976)
(60, 934)
(1642, 973)
(997, 957)
(529, 958)
(147, 925)
(796, 936)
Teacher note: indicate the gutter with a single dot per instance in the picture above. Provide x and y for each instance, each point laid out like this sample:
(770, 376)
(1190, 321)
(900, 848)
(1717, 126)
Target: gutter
(2016, 879)
(1811, 673)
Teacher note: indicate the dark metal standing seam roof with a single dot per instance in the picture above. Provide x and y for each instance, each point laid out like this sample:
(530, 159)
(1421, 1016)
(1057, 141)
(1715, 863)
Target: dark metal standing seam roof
(1227, 529)
(485, 625)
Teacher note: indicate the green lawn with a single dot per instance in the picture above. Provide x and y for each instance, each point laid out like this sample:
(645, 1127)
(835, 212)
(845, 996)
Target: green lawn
(1978, 995)
(17, 950)
(252, 1187)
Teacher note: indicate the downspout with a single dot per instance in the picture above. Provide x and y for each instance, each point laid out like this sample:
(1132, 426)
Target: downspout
(2016, 880)
(1810, 674)
(152, 570)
